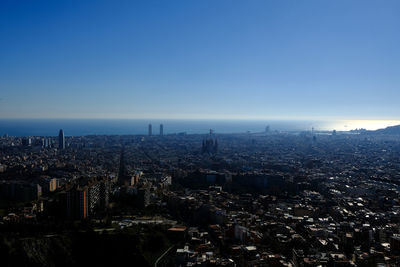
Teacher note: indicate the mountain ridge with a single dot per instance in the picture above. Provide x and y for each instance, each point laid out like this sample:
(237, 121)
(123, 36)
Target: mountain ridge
(388, 130)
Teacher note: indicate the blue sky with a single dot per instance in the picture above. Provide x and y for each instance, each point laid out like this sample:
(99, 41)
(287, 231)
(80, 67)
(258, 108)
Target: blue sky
(217, 59)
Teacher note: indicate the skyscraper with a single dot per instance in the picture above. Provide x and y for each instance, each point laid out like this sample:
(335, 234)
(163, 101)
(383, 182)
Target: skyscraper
(75, 203)
(150, 130)
(61, 140)
(161, 129)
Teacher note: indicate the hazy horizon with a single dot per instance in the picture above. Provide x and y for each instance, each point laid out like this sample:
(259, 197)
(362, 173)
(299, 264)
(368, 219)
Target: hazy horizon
(82, 127)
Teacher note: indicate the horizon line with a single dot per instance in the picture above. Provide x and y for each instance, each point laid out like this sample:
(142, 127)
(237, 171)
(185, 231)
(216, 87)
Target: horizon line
(327, 118)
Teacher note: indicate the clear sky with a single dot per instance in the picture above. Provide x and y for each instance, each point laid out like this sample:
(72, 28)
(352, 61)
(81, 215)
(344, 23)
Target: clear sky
(200, 59)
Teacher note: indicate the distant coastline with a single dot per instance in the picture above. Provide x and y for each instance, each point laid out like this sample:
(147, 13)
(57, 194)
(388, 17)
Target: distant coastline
(81, 127)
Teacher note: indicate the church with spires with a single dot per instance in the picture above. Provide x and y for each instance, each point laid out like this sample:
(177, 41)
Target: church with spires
(210, 144)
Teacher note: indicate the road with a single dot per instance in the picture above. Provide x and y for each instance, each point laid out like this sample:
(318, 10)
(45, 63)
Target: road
(165, 253)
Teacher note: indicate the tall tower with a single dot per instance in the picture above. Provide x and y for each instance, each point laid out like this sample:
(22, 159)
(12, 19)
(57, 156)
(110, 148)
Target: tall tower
(161, 129)
(61, 139)
(150, 130)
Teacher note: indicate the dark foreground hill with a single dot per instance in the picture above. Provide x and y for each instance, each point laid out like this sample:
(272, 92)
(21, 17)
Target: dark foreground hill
(78, 249)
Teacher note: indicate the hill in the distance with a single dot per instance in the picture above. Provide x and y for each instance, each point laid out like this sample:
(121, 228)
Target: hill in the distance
(388, 130)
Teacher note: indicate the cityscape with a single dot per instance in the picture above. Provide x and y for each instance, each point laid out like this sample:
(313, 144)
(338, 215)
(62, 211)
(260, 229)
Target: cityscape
(248, 199)
(183, 133)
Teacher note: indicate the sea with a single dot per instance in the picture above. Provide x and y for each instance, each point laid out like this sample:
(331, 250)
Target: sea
(82, 127)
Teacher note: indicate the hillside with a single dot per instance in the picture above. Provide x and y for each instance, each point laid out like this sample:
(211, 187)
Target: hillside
(79, 249)
(394, 130)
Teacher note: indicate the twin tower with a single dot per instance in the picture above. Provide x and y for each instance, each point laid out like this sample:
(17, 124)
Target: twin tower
(150, 133)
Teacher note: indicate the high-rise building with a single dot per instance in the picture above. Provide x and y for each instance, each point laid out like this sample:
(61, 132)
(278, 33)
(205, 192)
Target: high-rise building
(161, 129)
(53, 184)
(61, 139)
(143, 196)
(75, 203)
(46, 142)
(93, 197)
(150, 130)
(98, 196)
(123, 172)
(26, 141)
